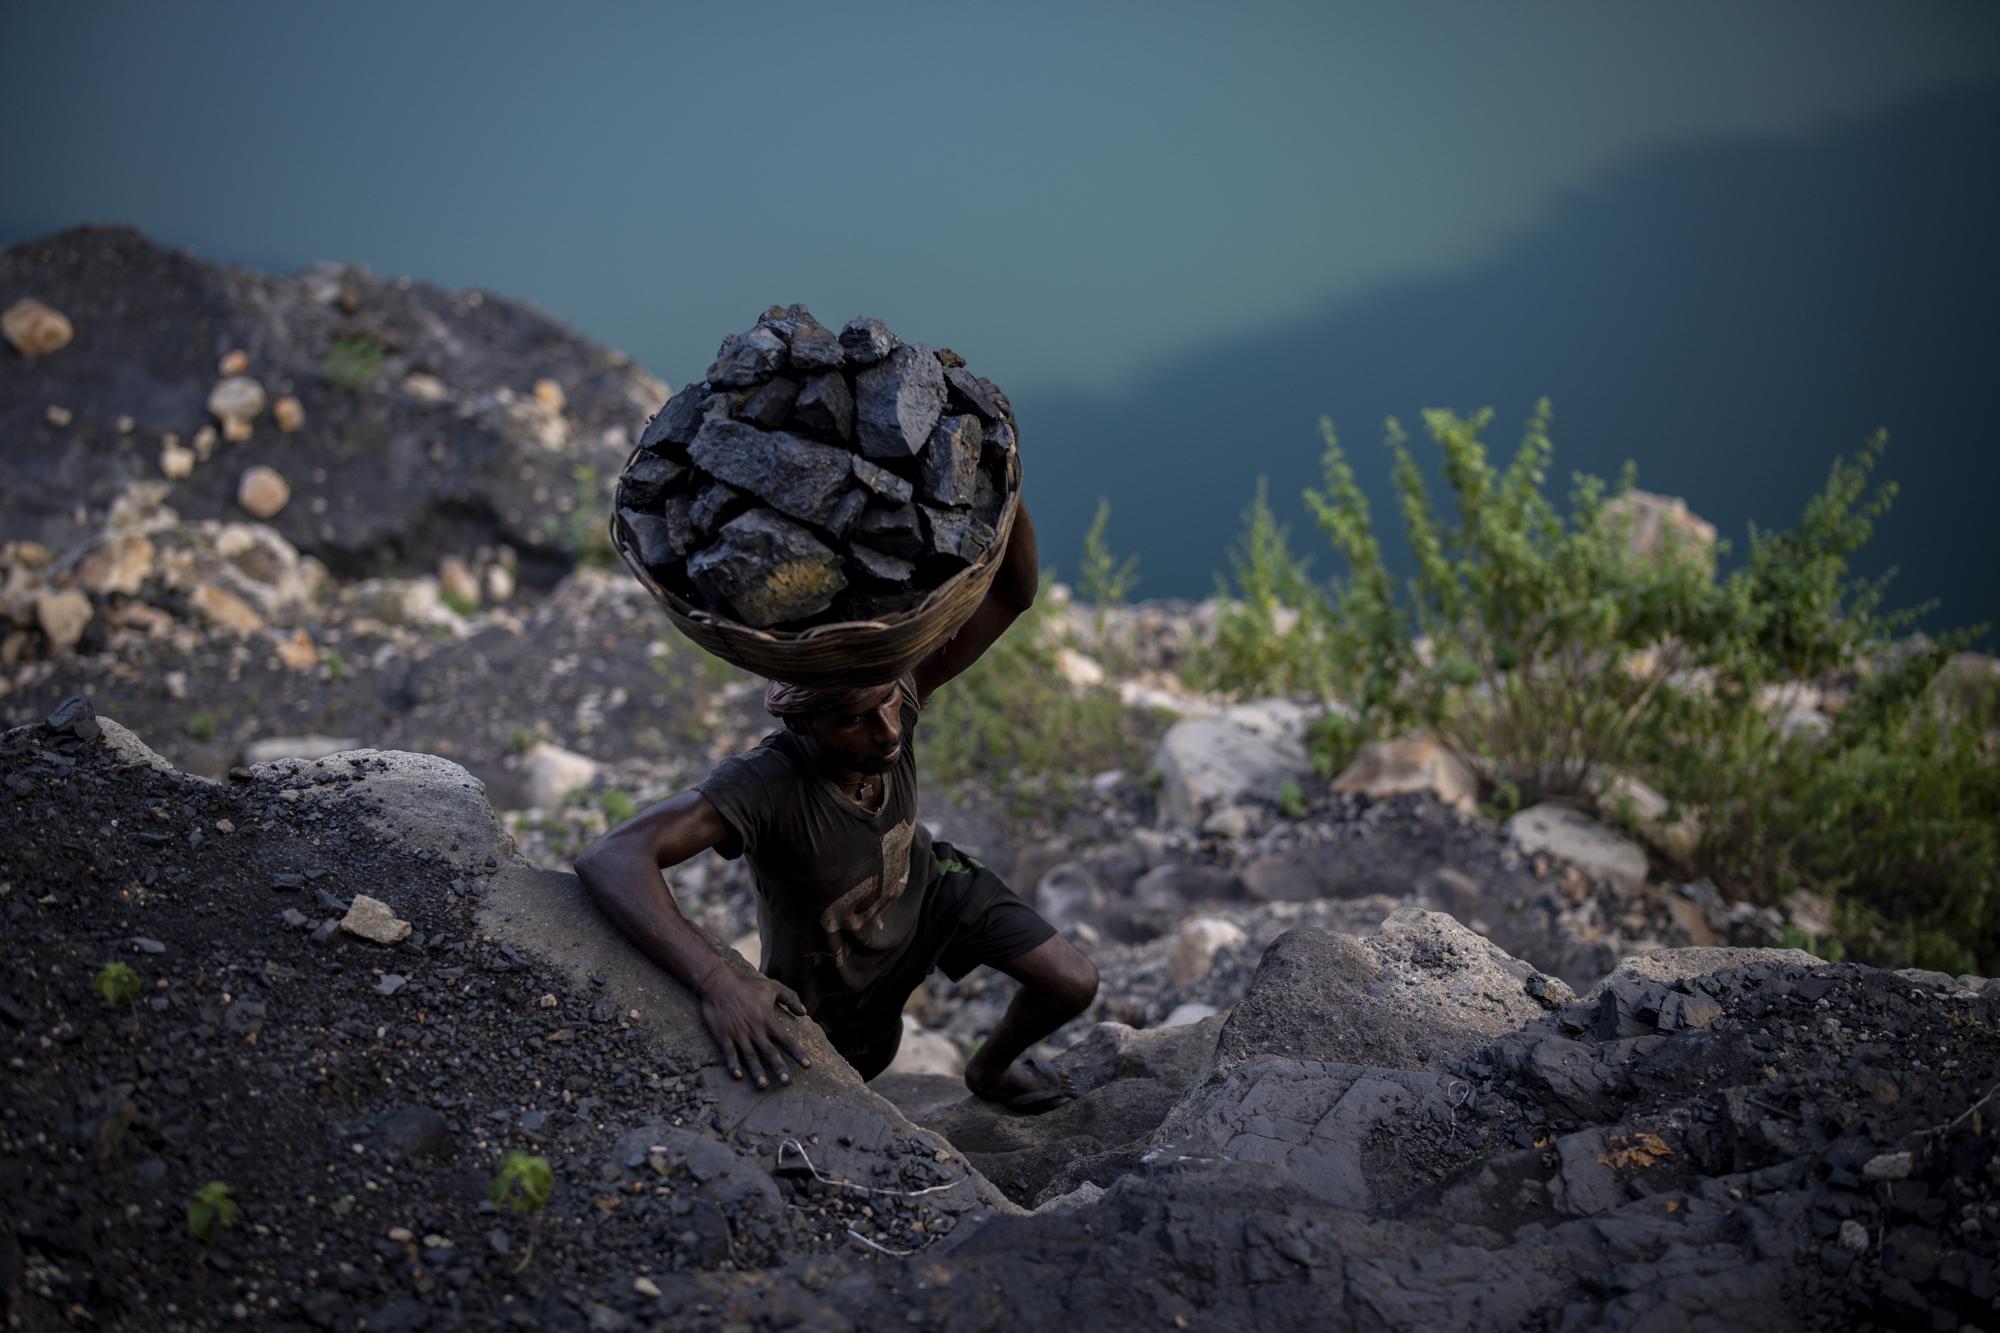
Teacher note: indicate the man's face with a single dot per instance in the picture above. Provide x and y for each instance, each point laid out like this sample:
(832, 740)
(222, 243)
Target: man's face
(868, 740)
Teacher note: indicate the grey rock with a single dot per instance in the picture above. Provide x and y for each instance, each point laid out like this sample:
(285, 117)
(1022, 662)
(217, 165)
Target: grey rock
(672, 428)
(748, 358)
(712, 505)
(825, 406)
(951, 461)
(767, 571)
(1000, 438)
(1250, 750)
(896, 531)
(294, 919)
(1067, 894)
(867, 341)
(390, 983)
(656, 540)
(883, 482)
(771, 402)
(145, 945)
(897, 403)
(1671, 965)
(792, 474)
(871, 564)
(816, 347)
(647, 479)
(956, 534)
(851, 507)
(404, 1132)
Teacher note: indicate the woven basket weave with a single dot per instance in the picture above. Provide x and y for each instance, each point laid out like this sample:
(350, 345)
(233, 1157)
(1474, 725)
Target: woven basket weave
(847, 653)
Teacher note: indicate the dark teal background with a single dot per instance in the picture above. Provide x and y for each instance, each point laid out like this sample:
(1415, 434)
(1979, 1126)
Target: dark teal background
(1728, 241)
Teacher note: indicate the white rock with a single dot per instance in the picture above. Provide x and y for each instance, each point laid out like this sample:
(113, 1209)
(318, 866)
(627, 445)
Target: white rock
(1080, 671)
(176, 463)
(552, 773)
(63, 617)
(289, 413)
(1184, 1015)
(1196, 944)
(224, 609)
(1412, 763)
(1580, 840)
(499, 583)
(1068, 894)
(1661, 524)
(263, 491)
(1889, 1166)
(1251, 749)
(1231, 821)
(550, 395)
(297, 747)
(120, 565)
(237, 398)
(926, 1052)
(371, 919)
(1626, 796)
(456, 583)
(427, 387)
(35, 329)
(1853, 1236)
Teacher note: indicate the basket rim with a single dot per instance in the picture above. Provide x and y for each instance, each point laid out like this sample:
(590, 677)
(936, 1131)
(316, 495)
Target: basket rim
(680, 609)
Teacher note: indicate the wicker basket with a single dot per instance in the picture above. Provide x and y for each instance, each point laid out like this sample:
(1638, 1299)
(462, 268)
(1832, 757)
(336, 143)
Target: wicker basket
(848, 653)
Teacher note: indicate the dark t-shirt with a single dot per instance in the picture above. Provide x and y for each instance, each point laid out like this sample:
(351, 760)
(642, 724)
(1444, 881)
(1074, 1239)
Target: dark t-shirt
(839, 888)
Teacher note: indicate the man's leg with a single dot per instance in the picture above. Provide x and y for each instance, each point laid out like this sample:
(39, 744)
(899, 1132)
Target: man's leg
(1057, 984)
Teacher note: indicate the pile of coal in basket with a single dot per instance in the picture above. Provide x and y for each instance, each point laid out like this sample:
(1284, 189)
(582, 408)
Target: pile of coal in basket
(816, 477)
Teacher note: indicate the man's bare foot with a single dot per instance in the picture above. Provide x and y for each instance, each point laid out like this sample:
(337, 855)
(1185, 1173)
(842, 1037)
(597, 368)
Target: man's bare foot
(1028, 1085)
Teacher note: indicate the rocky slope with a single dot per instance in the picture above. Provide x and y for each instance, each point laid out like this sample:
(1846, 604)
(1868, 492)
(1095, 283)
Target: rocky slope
(1412, 1129)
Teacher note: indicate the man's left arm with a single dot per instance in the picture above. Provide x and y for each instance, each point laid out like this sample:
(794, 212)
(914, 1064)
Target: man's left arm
(1011, 592)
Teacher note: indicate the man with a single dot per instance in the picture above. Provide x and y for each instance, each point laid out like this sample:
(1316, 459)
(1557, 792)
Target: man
(855, 903)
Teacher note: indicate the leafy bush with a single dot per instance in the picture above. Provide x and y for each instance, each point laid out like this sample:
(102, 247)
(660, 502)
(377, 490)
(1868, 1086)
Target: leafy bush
(1551, 653)
(351, 363)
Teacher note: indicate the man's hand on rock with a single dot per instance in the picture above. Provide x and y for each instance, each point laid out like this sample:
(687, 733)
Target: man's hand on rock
(741, 1013)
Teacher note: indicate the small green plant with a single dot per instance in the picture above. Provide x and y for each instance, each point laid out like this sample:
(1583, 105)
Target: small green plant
(335, 663)
(521, 741)
(1103, 580)
(460, 606)
(119, 985)
(212, 1211)
(1292, 799)
(617, 806)
(202, 726)
(583, 532)
(523, 1184)
(351, 363)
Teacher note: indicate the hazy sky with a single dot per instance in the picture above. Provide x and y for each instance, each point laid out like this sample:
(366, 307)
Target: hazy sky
(1067, 193)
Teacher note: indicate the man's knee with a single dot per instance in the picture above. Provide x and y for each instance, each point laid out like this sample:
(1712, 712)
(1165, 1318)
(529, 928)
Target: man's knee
(1074, 985)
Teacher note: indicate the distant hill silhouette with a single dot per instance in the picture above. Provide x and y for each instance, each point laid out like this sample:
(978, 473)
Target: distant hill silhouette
(1728, 315)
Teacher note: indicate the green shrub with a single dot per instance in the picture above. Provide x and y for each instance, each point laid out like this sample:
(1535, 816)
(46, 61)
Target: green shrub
(1547, 652)
(212, 1211)
(523, 1185)
(351, 363)
(202, 726)
(617, 805)
(584, 533)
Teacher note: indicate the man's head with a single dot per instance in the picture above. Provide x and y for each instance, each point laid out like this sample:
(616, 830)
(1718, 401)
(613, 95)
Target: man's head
(859, 729)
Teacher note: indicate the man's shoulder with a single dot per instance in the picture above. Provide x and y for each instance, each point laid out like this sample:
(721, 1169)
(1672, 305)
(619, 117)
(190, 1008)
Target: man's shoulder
(772, 761)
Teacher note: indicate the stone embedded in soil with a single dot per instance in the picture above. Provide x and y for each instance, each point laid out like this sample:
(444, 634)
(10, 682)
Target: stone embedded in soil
(35, 329)
(897, 403)
(867, 341)
(647, 479)
(896, 531)
(767, 570)
(826, 407)
(951, 461)
(794, 475)
(372, 919)
(875, 565)
(711, 505)
(747, 358)
(956, 534)
(883, 482)
(771, 402)
(673, 427)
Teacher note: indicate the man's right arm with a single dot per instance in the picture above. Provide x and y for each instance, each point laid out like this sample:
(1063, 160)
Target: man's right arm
(622, 869)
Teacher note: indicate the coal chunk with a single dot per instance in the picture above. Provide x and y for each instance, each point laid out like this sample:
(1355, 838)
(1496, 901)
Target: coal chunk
(897, 531)
(951, 461)
(816, 347)
(748, 358)
(766, 570)
(971, 393)
(771, 402)
(791, 473)
(713, 505)
(825, 406)
(1000, 439)
(897, 403)
(874, 565)
(883, 482)
(949, 359)
(850, 508)
(866, 341)
(651, 537)
(678, 513)
(956, 533)
(672, 428)
(647, 479)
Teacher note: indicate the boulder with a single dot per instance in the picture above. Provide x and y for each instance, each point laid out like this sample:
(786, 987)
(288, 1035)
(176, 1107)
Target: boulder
(1195, 945)
(1672, 965)
(224, 609)
(120, 564)
(925, 1052)
(1068, 894)
(1570, 835)
(1248, 750)
(550, 773)
(62, 616)
(1420, 992)
(1412, 763)
(297, 747)
(1675, 833)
